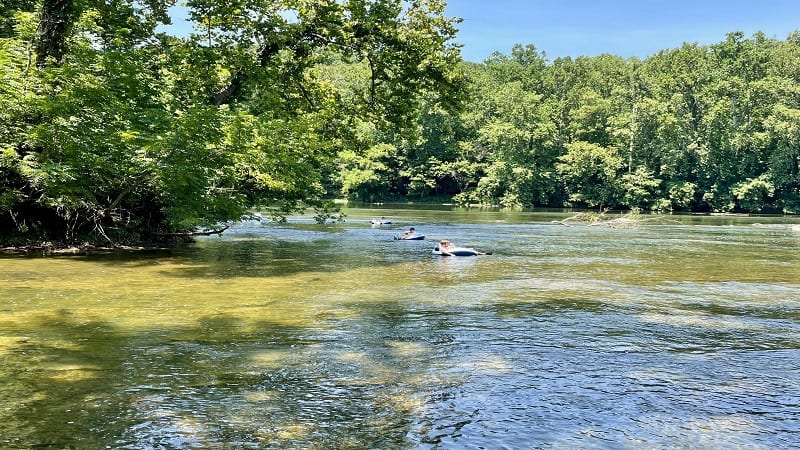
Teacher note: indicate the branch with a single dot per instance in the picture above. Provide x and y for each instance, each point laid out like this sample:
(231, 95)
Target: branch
(241, 75)
(193, 233)
(231, 90)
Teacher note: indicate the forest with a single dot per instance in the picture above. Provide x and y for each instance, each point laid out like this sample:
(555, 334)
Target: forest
(115, 132)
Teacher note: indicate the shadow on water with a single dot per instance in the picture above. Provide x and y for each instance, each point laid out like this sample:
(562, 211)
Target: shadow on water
(278, 252)
(221, 384)
(393, 375)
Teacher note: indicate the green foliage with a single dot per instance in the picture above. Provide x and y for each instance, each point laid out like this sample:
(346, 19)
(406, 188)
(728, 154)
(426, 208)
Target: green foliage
(680, 195)
(362, 175)
(685, 129)
(115, 133)
(591, 174)
(640, 189)
(692, 128)
(753, 194)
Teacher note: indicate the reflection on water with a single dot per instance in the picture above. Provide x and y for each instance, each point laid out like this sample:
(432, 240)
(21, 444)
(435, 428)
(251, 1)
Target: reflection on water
(665, 335)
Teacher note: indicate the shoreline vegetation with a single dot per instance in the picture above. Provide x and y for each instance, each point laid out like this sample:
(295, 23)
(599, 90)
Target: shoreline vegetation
(119, 134)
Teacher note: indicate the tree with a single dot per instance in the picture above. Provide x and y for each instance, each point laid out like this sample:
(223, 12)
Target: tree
(591, 173)
(694, 128)
(123, 134)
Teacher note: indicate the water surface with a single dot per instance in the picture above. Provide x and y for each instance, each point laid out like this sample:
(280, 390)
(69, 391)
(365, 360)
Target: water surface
(673, 332)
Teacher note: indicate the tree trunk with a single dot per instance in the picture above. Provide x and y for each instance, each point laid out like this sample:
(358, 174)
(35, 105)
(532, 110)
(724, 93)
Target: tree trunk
(630, 139)
(54, 23)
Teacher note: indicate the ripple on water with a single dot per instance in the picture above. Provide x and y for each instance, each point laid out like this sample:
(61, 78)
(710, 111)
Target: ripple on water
(336, 336)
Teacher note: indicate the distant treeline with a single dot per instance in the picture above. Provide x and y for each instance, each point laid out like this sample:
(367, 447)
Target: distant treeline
(114, 132)
(700, 128)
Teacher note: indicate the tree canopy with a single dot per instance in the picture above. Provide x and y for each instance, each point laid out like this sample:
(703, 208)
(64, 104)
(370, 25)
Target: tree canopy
(115, 131)
(696, 128)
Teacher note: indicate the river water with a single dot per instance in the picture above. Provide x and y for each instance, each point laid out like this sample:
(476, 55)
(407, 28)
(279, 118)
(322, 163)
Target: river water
(667, 332)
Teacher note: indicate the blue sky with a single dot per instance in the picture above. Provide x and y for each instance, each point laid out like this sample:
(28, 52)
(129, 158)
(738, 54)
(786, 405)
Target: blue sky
(591, 27)
(622, 27)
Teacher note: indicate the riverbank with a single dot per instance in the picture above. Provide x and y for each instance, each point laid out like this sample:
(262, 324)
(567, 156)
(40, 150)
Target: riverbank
(81, 250)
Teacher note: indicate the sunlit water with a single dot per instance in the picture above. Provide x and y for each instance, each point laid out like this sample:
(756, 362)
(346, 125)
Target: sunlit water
(676, 332)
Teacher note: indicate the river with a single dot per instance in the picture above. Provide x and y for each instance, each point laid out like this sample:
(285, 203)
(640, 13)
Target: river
(663, 332)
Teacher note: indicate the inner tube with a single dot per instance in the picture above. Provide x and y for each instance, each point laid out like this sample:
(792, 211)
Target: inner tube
(379, 222)
(411, 237)
(457, 251)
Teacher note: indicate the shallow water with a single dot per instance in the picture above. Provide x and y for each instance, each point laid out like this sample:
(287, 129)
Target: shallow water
(675, 332)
